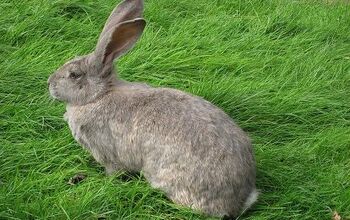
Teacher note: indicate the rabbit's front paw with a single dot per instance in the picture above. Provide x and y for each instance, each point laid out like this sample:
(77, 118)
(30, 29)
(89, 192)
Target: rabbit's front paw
(110, 169)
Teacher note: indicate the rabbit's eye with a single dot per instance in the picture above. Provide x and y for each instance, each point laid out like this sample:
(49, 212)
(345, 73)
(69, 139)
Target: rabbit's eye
(75, 75)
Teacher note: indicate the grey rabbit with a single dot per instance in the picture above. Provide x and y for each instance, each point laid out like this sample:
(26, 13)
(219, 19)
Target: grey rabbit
(183, 145)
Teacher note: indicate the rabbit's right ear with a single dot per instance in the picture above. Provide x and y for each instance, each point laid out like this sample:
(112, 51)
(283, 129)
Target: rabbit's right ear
(121, 31)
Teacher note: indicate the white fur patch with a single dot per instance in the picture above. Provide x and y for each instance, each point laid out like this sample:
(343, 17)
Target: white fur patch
(252, 198)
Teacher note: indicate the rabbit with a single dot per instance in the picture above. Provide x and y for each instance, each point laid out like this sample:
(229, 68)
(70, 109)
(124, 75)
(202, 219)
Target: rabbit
(183, 144)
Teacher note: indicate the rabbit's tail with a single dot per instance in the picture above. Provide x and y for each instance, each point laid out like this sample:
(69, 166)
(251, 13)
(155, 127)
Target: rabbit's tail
(251, 199)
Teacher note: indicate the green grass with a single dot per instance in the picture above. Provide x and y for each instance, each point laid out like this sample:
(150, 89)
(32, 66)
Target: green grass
(280, 68)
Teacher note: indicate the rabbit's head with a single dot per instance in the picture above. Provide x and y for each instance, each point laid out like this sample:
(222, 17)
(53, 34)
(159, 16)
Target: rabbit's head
(83, 79)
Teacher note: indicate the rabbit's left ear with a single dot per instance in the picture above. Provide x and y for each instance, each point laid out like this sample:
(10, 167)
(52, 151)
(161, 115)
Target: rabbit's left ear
(127, 10)
(119, 41)
(121, 31)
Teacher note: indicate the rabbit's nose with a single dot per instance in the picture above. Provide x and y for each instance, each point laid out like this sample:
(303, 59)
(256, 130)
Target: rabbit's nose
(49, 80)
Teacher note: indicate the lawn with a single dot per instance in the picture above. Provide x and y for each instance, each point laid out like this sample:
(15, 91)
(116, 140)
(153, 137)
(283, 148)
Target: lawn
(279, 68)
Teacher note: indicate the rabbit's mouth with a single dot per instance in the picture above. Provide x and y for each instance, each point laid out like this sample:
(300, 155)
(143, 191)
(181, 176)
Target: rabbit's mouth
(53, 93)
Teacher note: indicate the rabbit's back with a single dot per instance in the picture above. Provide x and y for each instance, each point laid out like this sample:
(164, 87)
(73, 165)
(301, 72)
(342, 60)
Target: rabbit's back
(195, 153)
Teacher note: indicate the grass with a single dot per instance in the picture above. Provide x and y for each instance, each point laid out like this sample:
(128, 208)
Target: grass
(281, 69)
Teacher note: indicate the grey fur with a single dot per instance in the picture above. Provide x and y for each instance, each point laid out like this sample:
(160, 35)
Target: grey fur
(183, 144)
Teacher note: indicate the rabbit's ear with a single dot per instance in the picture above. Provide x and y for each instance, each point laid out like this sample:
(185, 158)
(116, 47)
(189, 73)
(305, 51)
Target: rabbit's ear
(119, 40)
(121, 31)
(125, 11)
